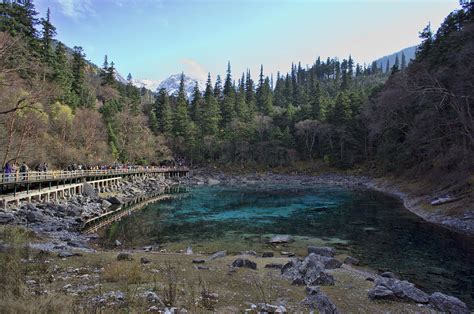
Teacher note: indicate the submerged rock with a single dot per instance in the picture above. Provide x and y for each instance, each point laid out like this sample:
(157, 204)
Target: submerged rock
(267, 254)
(243, 262)
(199, 261)
(449, 304)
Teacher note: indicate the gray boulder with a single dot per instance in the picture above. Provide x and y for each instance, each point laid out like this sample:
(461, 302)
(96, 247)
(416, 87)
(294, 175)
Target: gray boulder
(243, 262)
(322, 250)
(267, 254)
(217, 255)
(449, 304)
(274, 265)
(318, 300)
(6, 218)
(66, 254)
(114, 200)
(281, 239)
(401, 289)
(351, 261)
(381, 292)
(106, 204)
(145, 260)
(328, 262)
(124, 256)
(89, 191)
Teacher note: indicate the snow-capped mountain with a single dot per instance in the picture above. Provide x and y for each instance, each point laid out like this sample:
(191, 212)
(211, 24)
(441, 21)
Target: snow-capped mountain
(148, 84)
(171, 84)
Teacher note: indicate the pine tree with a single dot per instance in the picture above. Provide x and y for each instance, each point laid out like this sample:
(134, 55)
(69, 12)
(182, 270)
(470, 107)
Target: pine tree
(62, 75)
(78, 75)
(249, 92)
(49, 31)
(228, 88)
(397, 62)
(210, 117)
(196, 104)
(163, 112)
(181, 117)
(404, 62)
(315, 101)
(218, 89)
(387, 66)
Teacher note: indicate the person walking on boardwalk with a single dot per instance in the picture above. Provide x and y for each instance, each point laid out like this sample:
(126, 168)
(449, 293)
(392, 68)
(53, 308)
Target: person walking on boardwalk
(24, 171)
(8, 171)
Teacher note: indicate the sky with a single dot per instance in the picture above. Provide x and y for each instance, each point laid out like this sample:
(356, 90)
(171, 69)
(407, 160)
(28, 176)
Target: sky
(153, 39)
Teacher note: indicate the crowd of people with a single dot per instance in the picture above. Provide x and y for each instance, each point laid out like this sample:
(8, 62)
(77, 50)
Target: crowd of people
(12, 170)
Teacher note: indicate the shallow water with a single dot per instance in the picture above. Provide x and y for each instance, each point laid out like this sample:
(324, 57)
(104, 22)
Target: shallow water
(368, 225)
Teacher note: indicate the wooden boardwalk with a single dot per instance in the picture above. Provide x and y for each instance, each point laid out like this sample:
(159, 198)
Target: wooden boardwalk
(54, 185)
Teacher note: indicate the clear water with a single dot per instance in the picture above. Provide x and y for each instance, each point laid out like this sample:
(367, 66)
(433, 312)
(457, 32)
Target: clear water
(368, 225)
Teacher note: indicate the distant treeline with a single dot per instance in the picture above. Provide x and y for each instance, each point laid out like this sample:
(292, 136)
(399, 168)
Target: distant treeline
(335, 110)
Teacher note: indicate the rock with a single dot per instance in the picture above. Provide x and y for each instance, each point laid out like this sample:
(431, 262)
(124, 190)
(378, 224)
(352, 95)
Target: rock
(449, 304)
(401, 289)
(152, 297)
(289, 254)
(6, 218)
(243, 262)
(153, 309)
(189, 251)
(328, 262)
(381, 292)
(124, 256)
(267, 254)
(318, 300)
(199, 261)
(114, 200)
(148, 248)
(351, 261)
(145, 260)
(274, 265)
(252, 253)
(217, 255)
(323, 251)
(33, 217)
(66, 254)
(106, 204)
(211, 181)
(118, 243)
(281, 239)
(201, 267)
(89, 191)
(77, 244)
(388, 274)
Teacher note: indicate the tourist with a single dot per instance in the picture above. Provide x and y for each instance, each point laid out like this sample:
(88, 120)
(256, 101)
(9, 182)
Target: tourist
(24, 171)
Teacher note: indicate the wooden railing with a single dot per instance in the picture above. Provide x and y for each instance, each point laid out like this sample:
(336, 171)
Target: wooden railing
(53, 175)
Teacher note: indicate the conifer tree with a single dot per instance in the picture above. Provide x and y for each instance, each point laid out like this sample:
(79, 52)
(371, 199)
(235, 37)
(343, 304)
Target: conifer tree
(387, 66)
(49, 31)
(196, 104)
(228, 88)
(163, 112)
(404, 62)
(78, 75)
(210, 117)
(181, 120)
(218, 88)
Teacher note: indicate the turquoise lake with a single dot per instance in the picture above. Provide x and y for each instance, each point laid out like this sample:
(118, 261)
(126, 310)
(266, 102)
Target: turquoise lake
(368, 225)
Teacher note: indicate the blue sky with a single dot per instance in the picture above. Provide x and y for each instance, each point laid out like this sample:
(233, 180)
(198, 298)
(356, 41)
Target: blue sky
(153, 39)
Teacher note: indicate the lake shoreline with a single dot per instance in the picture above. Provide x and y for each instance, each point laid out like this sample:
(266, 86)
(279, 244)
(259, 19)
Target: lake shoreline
(415, 203)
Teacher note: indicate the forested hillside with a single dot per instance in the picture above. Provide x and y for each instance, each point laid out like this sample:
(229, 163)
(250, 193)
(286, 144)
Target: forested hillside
(57, 107)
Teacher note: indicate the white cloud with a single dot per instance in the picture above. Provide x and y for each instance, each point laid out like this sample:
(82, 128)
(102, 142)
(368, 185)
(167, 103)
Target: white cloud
(194, 69)
(75, 8)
